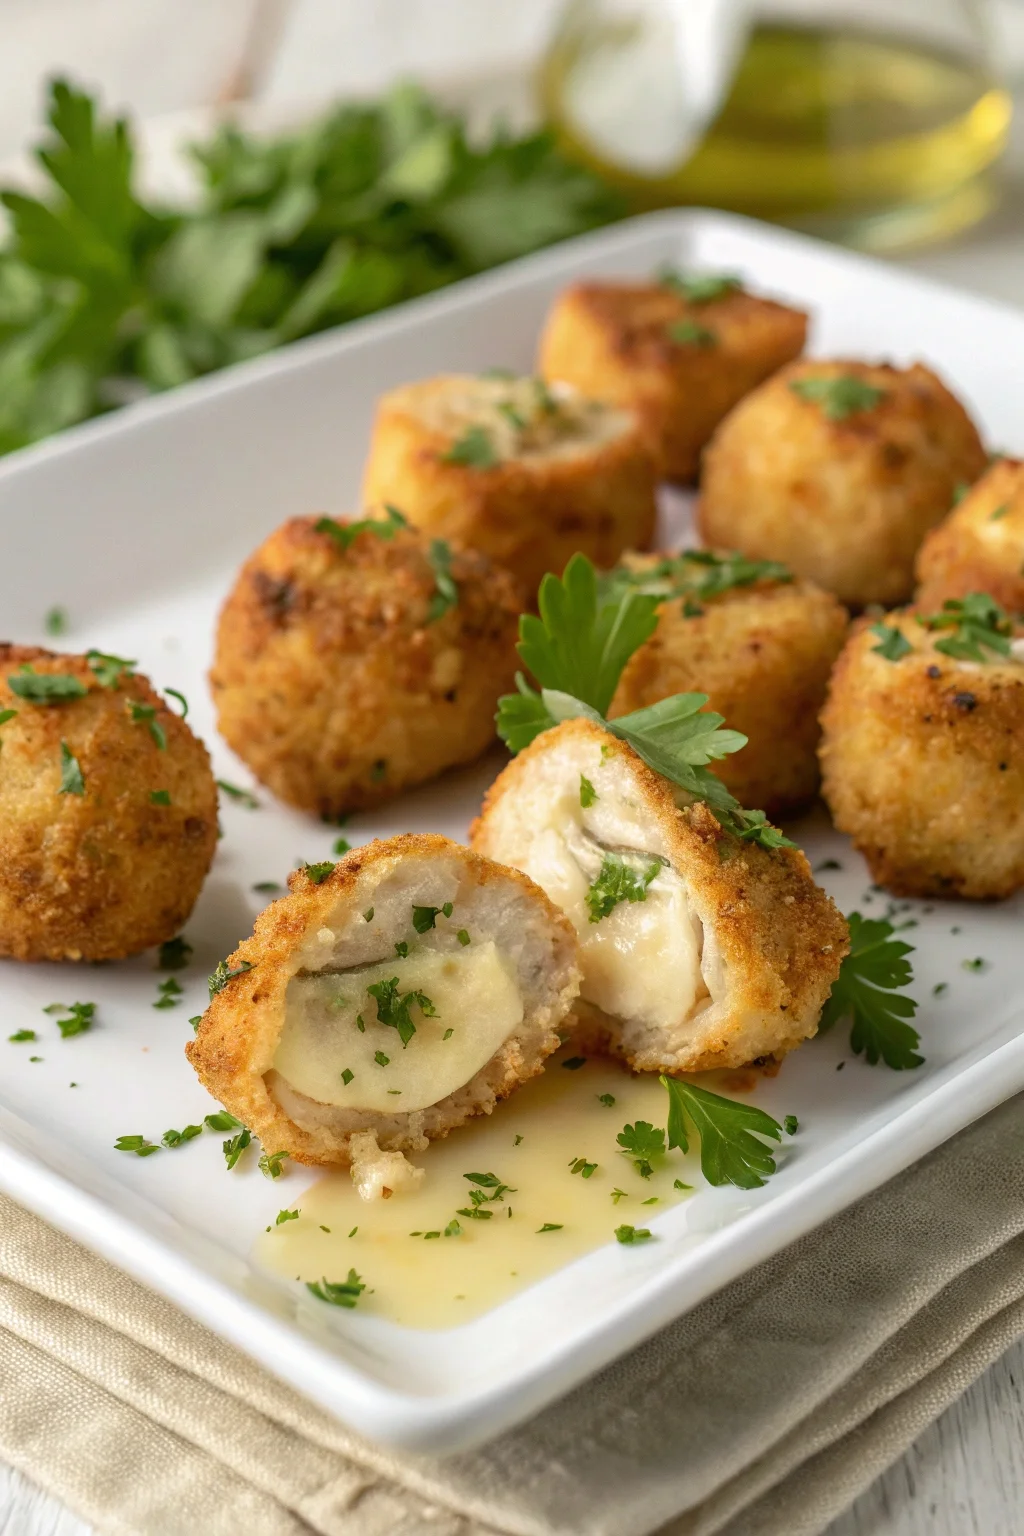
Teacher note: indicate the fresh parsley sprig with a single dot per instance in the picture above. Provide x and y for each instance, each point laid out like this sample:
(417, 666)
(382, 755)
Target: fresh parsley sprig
(731, 1151)
(867, 993)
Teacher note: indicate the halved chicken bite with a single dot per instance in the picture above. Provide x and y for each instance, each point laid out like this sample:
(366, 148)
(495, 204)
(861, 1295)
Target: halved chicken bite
(411, 988)
(698, 949)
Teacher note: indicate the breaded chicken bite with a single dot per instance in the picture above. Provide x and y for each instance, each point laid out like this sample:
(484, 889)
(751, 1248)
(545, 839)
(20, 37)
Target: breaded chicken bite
(680, 352)
(355, 660)
(386, 1001)
(698, 950)
(980, 545)
(922, 750)
(758, 643)
(108, 809)
(529, 475)
(839, 469)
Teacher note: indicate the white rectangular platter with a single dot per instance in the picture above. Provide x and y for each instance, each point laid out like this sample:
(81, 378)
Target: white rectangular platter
(135, 524)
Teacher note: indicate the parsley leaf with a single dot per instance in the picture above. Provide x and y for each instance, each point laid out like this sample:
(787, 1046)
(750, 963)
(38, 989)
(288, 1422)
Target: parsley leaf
(339, 1293)
(108, 670)
(447, 594)
(893, 643)
(393, 1009)
(239, 796)
(687, 333)
(628, 1234)
(838, 397)
(424, 918)
(641, 1142)
(145, 714)
(344, 534)
(697, 573)
(223, 974)
(475, 448)
(56, 621)
(80, 1018)
(223, 1121)
(71, 780)
(270, 1164)
(318, 873)
(866, 993)
(617, 882)
(45, 687)
(179, 1138)
(174, 954)
(137, 1144)
(730, 1152)
(235, 1146)
(699, 287)
(981, 628)
(588, 794)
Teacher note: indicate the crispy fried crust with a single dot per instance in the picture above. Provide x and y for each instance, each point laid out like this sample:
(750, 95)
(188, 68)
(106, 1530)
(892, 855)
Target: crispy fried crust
(923, 765)
(331, 679)
(105, 874)
(529, 514)
(779, 938)
(613, 340)
(844, 503)
(979, 547)
(234, 1048)
(762, 654)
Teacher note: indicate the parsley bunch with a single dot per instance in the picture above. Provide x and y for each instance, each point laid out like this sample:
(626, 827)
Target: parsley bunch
(577, 650)
(867, 993)
(105, 298)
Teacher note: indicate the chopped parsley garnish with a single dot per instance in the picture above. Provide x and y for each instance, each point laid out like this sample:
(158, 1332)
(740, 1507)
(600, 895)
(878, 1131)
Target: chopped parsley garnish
(699, 287)
(343, 534)
(791, 1125)
(627, 1234)
(223, 974)
(179, 1138)
(514, 418)
(447, 1034)
(588, 794)
(641, 1142)
(939, 988)
(318, 873)
(617, 1195)
(446, 594)
(7, 714)
(270, 1164)
(453, 1229)
(402, 949)
(893, 643)
(866, 992)
(607, 1099)
(999, 513)
(379, 771)
(577, 649)
(45, 687)
(652, 1200)
(170, 994)
(176, 694)
(838, 397)
(347, 1076)
(977, 964)
(221, 1120)
(368, 915)
(550, 1226)
(341, 847)
(237, 794)
(235, 1146)
(159, 797)
(393, 1009)
(56, 621)
(731, 1151)
(827, 864)
(424, 918)
(699, 574)
(573, 1063)
(485, 1180)
(615, 883)
(71, 780)
(981, 629)
(283, 1216)
(475, 448)
(267, 887)
(463, 937)
(80, 1017)
(689, 333)
(381, 1059)
(137, 1144)
(21, 1035)
(582, 1167)
(475, 1213)
(359, 1024)
(174, 954)
(339, 1293)
(678, 1184)
(108, 670)
(145, 714)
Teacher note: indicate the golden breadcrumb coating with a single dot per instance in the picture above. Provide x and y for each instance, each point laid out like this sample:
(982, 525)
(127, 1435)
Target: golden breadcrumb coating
(102, 874)
(767, 941)
(558, 473)
(843, 502)
(923, 764)
(324, 929)
(762, 653)
(616, 341)
(979, 547)
(334, 681)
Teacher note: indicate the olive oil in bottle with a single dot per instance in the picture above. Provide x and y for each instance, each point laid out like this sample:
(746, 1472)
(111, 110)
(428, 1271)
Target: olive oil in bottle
(876, 139)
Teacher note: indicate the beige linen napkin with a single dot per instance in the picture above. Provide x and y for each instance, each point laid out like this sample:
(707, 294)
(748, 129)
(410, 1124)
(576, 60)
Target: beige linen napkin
(762, 1413)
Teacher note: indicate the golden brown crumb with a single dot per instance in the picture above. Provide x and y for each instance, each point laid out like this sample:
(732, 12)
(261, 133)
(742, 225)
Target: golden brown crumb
(979, 547)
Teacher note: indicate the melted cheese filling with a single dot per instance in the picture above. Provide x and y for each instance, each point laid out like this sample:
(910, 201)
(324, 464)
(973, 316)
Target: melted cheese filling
(641, 962)
(522, 418)
(334, 1047)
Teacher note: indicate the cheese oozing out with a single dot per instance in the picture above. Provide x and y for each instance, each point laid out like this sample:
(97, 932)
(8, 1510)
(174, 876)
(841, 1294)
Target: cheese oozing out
(643, 960)
(473, 1004)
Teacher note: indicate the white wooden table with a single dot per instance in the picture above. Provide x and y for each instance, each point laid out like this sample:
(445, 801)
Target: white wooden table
(965, 1476)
